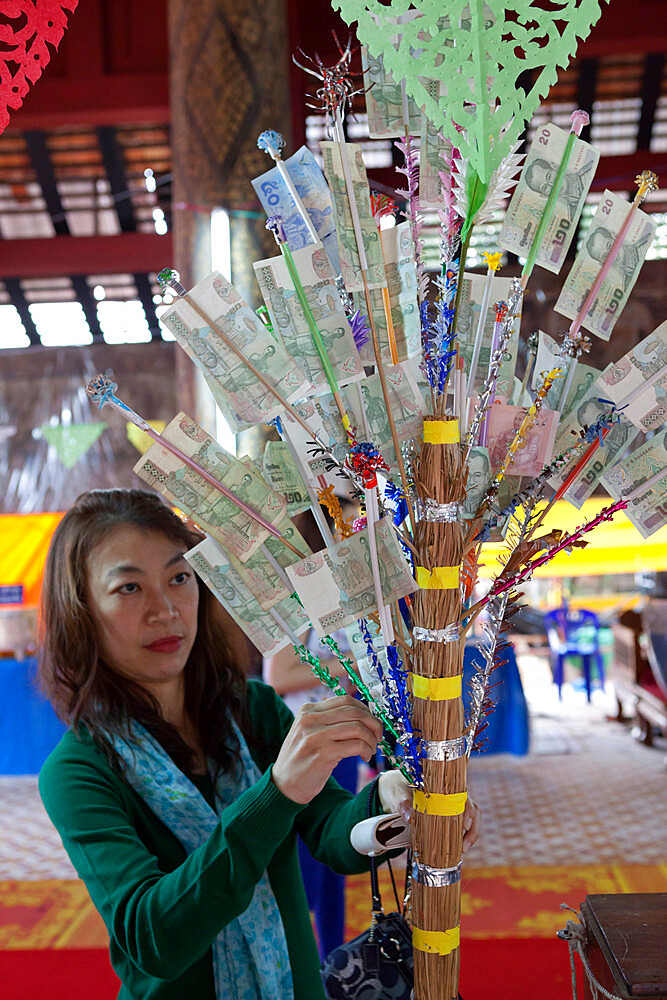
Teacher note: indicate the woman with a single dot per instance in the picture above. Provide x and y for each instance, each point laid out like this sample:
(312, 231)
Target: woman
(179, 789)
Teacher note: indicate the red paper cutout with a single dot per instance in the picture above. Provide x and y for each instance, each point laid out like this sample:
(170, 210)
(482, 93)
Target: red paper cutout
(28, 28)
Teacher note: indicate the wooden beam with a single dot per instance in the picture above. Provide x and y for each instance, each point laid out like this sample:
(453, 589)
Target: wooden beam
(66, 255)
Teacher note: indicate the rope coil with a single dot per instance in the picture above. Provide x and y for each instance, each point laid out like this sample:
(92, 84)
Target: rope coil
(575, 935)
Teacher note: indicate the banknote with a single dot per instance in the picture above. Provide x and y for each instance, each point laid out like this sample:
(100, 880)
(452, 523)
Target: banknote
(211, 563)
(480, 474)
(384, 102)
(432, 148)
(548, 358)
(532, 192)
(466, 329)
(336, 584)
(290, 322)
(622, 382)
(620, 279)
(347, 244)
(259, 572)
(648, 509)
(215, 513)
(242, 397)
(365, 666)
(618, 440)
(280, 470)
(313, 190)
(401, 271)
(504, 422)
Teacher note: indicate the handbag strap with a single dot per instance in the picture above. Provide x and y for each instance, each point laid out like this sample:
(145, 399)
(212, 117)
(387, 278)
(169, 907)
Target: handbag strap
(376, 899)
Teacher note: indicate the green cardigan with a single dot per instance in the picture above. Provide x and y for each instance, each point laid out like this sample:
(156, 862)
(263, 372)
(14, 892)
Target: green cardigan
(163, 908)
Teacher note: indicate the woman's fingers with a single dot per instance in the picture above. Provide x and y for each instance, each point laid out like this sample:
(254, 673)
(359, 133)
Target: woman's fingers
(472, 818)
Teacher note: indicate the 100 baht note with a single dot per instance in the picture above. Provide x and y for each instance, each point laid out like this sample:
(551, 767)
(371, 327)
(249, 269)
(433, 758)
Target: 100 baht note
(648, 509)
(336, 587)
(239, 393)
(466, 328)
(401, 271)
(210, 562)
(536, 451)
(279, 469)
(625, 380)
(620, 279)
(347, 243)
(384, 101)
(291, 324)
(530, 197)
(215, 513)
(313, 190)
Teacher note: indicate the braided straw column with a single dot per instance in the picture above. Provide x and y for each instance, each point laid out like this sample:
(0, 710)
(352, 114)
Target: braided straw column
(438, 713)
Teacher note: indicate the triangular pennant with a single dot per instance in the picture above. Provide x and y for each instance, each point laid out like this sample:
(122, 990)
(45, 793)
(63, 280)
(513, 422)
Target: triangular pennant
(477, 51)
(140, 439)
(27, 31)
(71, 441)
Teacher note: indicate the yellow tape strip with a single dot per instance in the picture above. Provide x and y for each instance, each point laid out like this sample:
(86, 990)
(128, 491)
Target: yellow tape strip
(438, 578)
(436, 688)
(436, 942)
(437, 804)
(441, 431)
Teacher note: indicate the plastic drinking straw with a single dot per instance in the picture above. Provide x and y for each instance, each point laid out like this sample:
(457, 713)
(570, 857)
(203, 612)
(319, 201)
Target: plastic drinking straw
(501, 312)
(272, 143)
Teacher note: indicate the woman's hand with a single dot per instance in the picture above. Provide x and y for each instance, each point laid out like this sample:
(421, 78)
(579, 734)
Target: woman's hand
(396, 797)
(321, 736)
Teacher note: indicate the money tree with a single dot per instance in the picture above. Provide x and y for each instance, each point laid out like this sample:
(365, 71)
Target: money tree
(396, 386)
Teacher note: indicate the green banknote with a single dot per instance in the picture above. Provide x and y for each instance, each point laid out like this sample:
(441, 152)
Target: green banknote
(631, 381)
(466, 328)
(347, 243)
(530, 196)
(336, 584)
(280, 470)
(183, 486)
(548, 358)
(648, 509)
(224, 580)
(433, 151)
(619, 281)
(401, 271)
(238, 392)
(290, 322)
(384, 102)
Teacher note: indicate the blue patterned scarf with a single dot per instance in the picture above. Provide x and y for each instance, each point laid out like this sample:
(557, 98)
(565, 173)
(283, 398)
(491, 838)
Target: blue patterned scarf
(250, 958)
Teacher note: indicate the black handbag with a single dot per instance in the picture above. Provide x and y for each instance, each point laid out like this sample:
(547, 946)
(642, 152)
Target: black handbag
(376, 965)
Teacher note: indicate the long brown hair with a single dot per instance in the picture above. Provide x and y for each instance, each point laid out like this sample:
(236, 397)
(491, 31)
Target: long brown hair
(83, 689)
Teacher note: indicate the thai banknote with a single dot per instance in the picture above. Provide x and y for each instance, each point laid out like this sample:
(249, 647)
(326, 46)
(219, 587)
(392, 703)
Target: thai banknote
(619, 281)
(336, 584)
(624, 381)
(480, 474)
(259, 571)
(211, 563)
(648, 508)
(466, 329)
(239, 393)
(586, 414)
(530, 196)
(434, 150)
(347, 243)
(504, 423)
(401, 271)
(384, 101)
(280, 470)
(290, 322)
(548, 358)
(365, 666)
(364, 403)
(214, 512)
(313, 190)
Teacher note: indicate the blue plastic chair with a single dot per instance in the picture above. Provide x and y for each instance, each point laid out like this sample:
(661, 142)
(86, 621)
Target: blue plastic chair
(574, 632)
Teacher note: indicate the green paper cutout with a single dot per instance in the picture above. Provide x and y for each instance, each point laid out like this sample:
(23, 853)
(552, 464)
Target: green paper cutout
(477, 51)
(71, 441)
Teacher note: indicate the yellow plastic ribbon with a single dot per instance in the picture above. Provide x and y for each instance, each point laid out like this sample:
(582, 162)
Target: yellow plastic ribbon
(437, 804)
(441, 431)
(438, 578)
(436, 688)
(436, 942)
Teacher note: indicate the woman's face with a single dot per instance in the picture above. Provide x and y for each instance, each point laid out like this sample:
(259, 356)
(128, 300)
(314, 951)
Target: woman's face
(143, 597)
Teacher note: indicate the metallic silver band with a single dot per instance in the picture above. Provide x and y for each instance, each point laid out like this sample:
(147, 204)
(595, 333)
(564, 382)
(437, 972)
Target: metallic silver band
(449, 634)
(435, 877)
(430, 510)
(445, 749)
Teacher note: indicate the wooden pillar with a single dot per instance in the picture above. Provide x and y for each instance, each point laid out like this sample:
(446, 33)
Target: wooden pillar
(228, 82)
